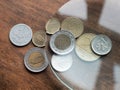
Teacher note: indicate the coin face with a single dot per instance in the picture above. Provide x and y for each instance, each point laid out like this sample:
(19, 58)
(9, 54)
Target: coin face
(39, 38)
(52, 26)
(83, 47)
(101, 44)
(20, 34)
(61, 63)
(74, 25)
(35, 60)
(62, 42)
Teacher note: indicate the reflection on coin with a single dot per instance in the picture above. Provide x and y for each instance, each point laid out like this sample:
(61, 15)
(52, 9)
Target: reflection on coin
(74, 25)
(101, 44)
(35, 60)
(39, 38)
(52, 26)
(62, 42)
(20, 34)
(83, 47)
(61, 63)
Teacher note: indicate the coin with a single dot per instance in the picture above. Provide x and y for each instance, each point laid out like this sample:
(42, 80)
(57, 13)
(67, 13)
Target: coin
(35, 60)
(61, 63)
(101, 44)
(62, 42)
(52, 26)
(20, 34)
(83, 47)
(39, 38)
(74, 25)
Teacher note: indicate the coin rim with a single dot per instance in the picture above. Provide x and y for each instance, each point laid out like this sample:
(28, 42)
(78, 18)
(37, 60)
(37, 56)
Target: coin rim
(66, 51)
(41, 68)
(17, 25)
(93, 42)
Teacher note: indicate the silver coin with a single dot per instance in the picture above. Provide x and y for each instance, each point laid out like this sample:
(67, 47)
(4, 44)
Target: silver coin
(101, 44)
(61, 63)
(20, 34)
(35, 68)
(62, 42)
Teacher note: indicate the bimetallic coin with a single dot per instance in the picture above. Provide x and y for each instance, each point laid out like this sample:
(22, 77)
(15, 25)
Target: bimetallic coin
(52, 26)
(61, 63)
(74, 25)
(35, 60)
(39, 38)
(101, 44)
(62, 42)
(20, 34)
(83, 47)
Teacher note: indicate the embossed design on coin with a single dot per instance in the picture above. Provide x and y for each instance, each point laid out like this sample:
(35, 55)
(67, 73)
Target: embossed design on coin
(52, 26)
(39, 38)
(73, 25)
(101, 44)
(35, 60)
(62, 42)
(83, 47)
(20, 34)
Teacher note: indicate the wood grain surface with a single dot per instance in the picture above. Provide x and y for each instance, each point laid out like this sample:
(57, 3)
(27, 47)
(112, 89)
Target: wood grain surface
(13, 74)
(35, 13)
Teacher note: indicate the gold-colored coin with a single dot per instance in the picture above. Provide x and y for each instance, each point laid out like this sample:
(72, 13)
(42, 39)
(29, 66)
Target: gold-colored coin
(52, 26)
(36, 60)
(83, 47)
(74, 25)
(39, 38)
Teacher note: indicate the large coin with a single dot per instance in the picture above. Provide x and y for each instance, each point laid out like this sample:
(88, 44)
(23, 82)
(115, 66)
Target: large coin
(101, 44)
(61, 63)
(83, 47)
(52, 26)
(35, 60)
(20, 34)
(74, 25)
(39, 38)
(62, 42)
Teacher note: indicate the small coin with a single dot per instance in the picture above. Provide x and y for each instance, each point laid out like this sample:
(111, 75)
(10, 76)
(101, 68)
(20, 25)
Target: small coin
(74, 25)
(101, 44)
(61, 63)
(39, 38)
(62, 42)
(83, 47)
(52, 26)
(35, 60)
(20, 34)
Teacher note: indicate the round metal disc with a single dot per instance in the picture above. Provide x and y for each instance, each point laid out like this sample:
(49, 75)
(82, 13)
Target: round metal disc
(83, 47)
(20, 34)
(62, 42)
(39, 38)
(61, 63)
(27, 56)
(74, 25)
(101, 44)
(52, 26)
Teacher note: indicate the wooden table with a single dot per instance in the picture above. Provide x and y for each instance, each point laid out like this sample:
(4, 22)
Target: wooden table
(35, 13)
